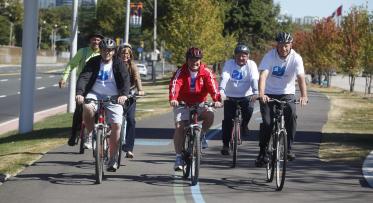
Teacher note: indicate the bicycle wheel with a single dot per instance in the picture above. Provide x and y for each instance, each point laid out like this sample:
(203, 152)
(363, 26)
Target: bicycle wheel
(281, 159)
(187, 155)
(121, 140)
(196, 156)
(235, 134)
(269, 166)
(80, 138)
(99, 155)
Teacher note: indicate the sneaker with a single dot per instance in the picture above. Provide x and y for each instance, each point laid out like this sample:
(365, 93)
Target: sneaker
(72, 141)
(179, 163)
(88, 142)
(290, 155)
(262, 159)
(129, 154)
(204, 143)
(225, 150)
(112, 165)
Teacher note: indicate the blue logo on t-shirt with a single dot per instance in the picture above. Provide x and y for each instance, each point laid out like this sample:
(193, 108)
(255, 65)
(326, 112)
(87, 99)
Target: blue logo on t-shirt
(278, 71)
(237, 75)
(103, 75)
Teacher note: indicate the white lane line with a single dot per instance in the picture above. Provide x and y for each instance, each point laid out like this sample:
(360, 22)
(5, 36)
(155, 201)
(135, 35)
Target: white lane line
(51, 76)
(2, 96)
(4, 80)
(40, 88)
(178, 188)
(38, 78)
(196, 194)
(368, 169)
(55, 85)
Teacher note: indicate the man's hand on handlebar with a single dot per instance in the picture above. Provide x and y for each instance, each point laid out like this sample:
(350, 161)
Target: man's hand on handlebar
(79, 99)
(122, 100)
(174, 103)
(303, 101)
(218, 104)
(263, 98)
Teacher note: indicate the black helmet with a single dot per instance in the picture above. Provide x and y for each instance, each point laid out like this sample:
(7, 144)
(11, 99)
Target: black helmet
(107, 43)
(194, 52)
(284, 37)
(241, 48)
(96, 34)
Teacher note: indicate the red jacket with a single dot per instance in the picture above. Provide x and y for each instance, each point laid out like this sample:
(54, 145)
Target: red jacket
(180, 90)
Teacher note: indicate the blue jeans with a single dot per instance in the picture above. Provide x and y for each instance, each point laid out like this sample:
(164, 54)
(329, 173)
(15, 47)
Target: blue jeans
(131, 125)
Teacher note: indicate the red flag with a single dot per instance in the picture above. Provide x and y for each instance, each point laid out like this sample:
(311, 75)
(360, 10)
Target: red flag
(339, 11)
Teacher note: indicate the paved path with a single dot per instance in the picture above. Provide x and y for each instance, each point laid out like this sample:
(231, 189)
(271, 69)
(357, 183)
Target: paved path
(62, 175)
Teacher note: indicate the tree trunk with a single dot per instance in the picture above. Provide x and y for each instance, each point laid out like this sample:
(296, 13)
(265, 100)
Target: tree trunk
(370, 83)
(351, 78)
(320, 77)
(329, 79)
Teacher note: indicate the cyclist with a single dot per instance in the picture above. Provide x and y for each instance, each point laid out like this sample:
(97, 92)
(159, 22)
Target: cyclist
(240, 82)
(79, 61)
(104, 76)
(192, 83)
(279, 69)
(125, 53)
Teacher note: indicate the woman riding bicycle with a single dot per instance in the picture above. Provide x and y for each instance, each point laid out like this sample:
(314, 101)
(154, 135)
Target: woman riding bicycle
(240, 82)
(102, 77)
(191, 83)
(125, 53)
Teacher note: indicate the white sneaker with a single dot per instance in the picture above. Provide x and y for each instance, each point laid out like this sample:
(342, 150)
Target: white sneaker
(204, 142)
(112, 165)
(179, 162)
(88, 142)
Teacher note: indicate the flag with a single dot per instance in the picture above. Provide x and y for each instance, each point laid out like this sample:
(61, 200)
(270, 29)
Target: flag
(339, 11)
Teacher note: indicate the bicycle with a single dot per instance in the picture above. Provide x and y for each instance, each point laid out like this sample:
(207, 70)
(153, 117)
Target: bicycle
(101, 134)
(236, 130)
(191, 152)
(277, 147)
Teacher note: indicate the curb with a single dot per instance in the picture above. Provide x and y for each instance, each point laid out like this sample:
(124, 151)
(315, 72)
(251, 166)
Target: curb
(368, 169)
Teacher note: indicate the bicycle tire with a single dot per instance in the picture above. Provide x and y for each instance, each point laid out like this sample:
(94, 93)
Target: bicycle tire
(196, 156)
(99, 155)
(121, 141)
(271, 157)
(281, 159)
(187, 155)
(81, 139)
(236, 134)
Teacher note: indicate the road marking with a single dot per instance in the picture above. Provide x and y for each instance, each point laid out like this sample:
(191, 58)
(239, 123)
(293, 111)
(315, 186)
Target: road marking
(152, 142)
(18, 92)
(4, 80)
(177, 188)
(55, 85)
(148, 110)
(38, 78)
(40, 88)
(51, 76)
(2, 96)
(196, 194)
(368, 169)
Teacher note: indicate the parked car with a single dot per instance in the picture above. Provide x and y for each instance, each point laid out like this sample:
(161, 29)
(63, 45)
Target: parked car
(142, 69)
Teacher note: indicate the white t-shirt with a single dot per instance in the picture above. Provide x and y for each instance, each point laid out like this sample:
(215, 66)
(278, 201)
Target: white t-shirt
(105, 82)
(239, 81)
(281, 72)
(193, 77)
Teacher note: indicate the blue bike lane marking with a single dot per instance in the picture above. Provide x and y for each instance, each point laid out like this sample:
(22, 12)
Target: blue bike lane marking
(368, 169)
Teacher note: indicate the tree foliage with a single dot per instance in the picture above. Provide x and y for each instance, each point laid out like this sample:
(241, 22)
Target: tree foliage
(195, 23)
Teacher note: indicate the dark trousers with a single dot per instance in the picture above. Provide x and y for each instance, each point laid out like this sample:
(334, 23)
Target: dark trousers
(77, 120)
(247, 108)
(131, 125)
(290, 120)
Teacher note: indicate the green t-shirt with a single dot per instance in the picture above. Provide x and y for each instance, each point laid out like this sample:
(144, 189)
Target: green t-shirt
(79, 60)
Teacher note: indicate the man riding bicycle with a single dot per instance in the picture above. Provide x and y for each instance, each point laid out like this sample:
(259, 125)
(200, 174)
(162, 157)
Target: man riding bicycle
(191, 84)
(279, 69)
(103, 77)
(240, 82)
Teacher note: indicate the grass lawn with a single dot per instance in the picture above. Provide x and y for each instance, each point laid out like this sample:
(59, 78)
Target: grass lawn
(348, 134)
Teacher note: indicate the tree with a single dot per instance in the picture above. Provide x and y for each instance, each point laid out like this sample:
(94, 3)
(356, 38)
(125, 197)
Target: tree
(195, 23)
(352, 50)
(13, 11)
(367, 60)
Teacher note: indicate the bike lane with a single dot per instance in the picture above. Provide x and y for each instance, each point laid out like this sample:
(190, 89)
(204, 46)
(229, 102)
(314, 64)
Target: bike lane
(63, 175)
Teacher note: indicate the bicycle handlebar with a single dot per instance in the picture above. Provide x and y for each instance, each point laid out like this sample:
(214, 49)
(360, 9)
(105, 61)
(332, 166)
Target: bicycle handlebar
(202, 104)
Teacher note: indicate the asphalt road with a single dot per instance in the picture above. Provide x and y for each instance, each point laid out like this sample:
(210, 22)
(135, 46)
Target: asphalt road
(63, 175)
(46, 95)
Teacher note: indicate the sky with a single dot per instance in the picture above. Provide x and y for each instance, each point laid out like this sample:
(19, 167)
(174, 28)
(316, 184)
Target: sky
(319, 8)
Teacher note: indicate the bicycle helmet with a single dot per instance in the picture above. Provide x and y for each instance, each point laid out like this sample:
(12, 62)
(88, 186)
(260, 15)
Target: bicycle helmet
(125, 45)
(194, 52)
(284, 37)
(241, 48)
(107, 43)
